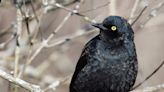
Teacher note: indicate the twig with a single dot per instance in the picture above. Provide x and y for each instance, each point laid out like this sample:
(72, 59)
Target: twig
(156, 88)
(19, 82)
(153, 13)
(149, 76)
(34, 12)
(57, 83)
(52, 86)
(45, 42)
(102, 6)
(70, 37)
(27, 24)
(22, 70)
(2, 45)
(112, 7)
(17, 50)
(133, 11)
(6, 30)
(25, 17)
(74, 12)
(30, 38)
(17, 55)
(37, 29)
(139, 16)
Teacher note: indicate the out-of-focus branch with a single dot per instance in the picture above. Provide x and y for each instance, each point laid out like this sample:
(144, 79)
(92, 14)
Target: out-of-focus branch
(70, 37)
(99, 7)
(73, 12)
(19, 82)
(59, 82)
(52, 86)
(34, 11)
(133, 11)
(45, 42)
(156, 70)
(139, 16)
(153, 13)
(154, 88)
(112, 7)
(157, 88)
(4, 44)
(17, 49)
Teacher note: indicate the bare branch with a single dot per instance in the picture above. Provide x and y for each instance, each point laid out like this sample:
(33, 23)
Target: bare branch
(73, 12)
(139, 16)
(34, 11)
(70, 37)
(156, 70)
(133, 11)
(45, 42)
(102, 6)
(112, 7)
(19, 82)
(153, 13)
(17, 50)
(154, 88)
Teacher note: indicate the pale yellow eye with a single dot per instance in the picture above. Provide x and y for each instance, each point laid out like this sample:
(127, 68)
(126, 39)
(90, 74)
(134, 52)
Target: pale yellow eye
(113, 28)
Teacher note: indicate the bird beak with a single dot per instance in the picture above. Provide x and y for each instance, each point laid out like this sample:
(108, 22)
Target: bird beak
(100, 26)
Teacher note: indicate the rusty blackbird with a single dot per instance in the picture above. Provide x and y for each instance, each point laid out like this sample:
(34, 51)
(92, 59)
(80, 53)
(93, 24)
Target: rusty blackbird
(108, 62)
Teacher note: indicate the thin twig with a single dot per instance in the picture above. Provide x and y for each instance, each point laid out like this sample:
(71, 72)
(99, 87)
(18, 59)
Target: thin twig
(70, 37)
(25, 17)
(74, 12)
(12, 37)
(57, 83)
(17, 50)
(153, 13)
(6, 30)
(52, 85)
(45, 42)
(149, 76)
(139, 16)
(27, 25)
(19, 82)
(21, 73)
(30, 37)
(133, 10)
(17, 55)
(99, 7)
(34, 11)
(37, 29)
(156, 88)
(112, 7)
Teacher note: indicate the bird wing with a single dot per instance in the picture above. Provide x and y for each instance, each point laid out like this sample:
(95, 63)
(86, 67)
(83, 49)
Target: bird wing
(79, 66)
(83, 60)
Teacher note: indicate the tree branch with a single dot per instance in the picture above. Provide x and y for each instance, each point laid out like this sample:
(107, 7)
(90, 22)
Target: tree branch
(19, 82)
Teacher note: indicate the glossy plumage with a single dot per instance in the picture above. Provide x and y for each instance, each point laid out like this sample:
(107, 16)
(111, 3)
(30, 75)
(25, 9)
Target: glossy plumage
(108, 62)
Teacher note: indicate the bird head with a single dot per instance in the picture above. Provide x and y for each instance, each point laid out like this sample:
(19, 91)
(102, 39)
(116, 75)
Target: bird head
(114, 27)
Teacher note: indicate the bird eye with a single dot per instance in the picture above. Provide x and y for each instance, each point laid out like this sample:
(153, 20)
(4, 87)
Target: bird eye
(113, 28)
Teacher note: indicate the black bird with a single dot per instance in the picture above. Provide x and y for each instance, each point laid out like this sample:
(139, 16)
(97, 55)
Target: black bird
(108, 62)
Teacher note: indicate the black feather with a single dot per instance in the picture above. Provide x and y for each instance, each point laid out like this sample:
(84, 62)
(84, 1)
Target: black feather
(108, 62)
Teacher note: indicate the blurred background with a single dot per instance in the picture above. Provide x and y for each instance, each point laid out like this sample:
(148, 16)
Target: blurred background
(41, 40)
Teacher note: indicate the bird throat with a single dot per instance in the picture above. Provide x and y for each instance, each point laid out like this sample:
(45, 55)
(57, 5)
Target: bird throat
(114, 40)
